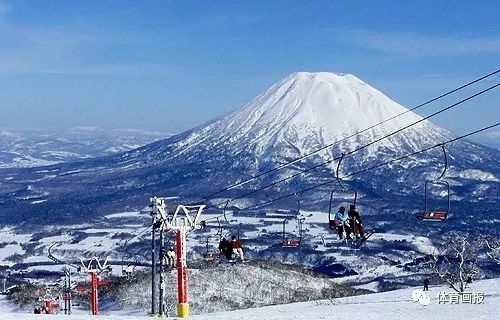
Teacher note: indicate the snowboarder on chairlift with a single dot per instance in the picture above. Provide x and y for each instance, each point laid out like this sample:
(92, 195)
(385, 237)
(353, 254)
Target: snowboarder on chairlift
(342, 222)
(170, 257)
(225, 248)
(237, 250)
(355, 222)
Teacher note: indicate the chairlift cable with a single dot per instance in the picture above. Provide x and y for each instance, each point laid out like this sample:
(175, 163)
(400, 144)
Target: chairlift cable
(445, 162)
(225, 207)
(337, 172)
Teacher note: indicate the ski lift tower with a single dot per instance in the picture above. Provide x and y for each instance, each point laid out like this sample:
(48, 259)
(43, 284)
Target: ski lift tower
(94, 267)
(67, 291)
(181, 222)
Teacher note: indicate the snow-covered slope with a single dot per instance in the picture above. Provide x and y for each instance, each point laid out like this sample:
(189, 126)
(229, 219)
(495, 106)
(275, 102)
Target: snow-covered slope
(307, 111)
(254, 284)
(384, 306)
(389, 305)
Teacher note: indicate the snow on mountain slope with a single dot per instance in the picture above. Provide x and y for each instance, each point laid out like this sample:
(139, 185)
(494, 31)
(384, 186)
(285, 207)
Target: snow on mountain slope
(308, 110)
(384, 306)
(302, 113)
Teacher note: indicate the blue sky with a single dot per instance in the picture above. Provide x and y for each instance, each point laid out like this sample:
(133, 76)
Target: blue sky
(170, 65)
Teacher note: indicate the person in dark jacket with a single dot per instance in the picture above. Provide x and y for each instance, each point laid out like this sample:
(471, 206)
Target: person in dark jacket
(224, 248)
(426, 284)
(355, 222)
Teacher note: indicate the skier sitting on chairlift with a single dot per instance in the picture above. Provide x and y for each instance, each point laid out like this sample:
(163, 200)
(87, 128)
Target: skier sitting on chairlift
(355, 222)
(235, 246)
(225, 248)
(128, 271)
(342, 222)
(170, 257)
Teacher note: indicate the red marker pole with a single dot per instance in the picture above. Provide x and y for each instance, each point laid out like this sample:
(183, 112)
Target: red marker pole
(93, 294)
(182, 274)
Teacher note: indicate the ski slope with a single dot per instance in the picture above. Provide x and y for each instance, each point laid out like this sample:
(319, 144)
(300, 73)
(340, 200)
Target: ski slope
(380, 306)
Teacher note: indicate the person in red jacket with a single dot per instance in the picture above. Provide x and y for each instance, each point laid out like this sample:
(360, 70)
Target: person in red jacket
(235, 245)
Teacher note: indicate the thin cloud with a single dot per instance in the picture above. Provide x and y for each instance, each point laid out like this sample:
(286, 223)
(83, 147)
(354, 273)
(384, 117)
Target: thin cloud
(417, 45)
(128, 69)
(69, 49)
(29, 49)
(493, 134)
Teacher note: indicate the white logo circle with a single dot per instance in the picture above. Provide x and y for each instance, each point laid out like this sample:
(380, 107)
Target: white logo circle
(424, 300)
(417, 294)
(420, 296)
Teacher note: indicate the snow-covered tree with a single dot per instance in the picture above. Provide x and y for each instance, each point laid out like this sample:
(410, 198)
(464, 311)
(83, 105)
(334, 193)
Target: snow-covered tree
(456, 265)
(492, 248)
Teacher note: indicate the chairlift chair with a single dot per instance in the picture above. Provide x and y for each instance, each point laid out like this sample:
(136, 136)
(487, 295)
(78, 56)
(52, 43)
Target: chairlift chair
(288, 241)
(213, 255)
(210, 255)
(331, 214)
(436, 215)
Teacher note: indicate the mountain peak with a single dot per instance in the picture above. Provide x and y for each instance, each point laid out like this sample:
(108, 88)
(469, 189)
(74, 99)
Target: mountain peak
(308, 110)
(322, 76)
(304, 77)
(319, 74)
(331, 104)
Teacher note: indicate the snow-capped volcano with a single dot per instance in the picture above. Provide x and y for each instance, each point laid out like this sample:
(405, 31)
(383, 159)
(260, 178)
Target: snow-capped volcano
(306, 111)
(313, 108)
(298, 115)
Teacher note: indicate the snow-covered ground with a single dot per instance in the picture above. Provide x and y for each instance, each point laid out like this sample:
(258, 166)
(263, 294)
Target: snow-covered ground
(384, 306)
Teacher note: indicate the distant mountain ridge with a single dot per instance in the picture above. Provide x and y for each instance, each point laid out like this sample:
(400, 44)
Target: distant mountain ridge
(35, 148)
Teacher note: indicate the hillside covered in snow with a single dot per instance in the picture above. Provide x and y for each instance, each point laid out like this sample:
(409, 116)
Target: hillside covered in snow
(384, 306)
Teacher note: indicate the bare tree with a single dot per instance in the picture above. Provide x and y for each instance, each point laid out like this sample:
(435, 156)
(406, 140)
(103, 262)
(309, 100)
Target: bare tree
(456, 265)
(492, 247)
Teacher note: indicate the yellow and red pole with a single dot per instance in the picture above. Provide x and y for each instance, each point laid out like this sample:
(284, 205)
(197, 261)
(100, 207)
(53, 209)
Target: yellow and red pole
(182, 274)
